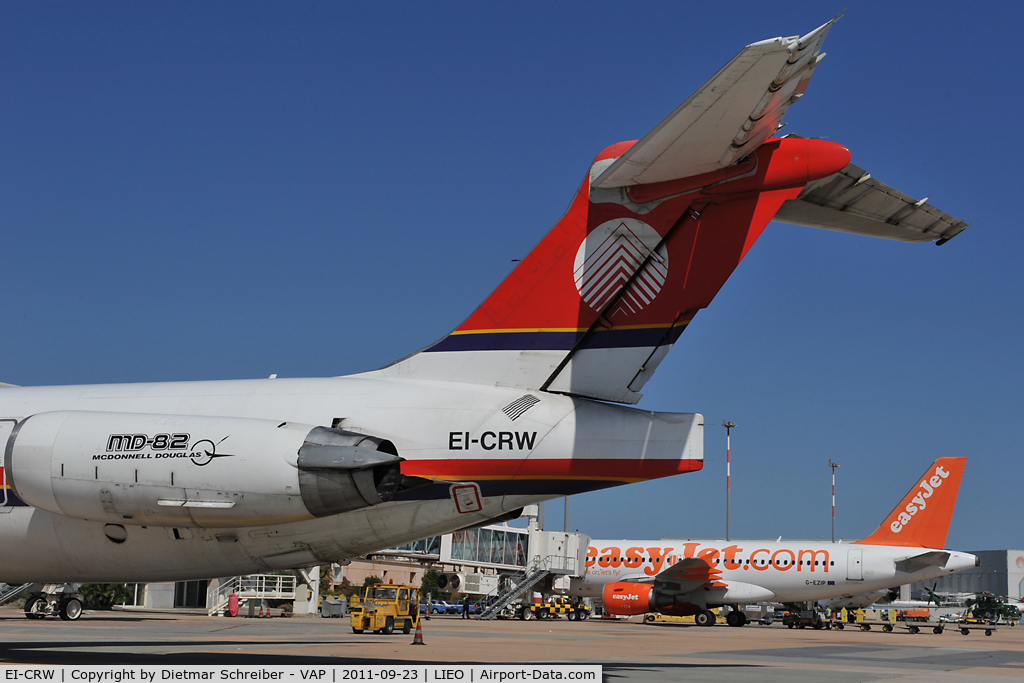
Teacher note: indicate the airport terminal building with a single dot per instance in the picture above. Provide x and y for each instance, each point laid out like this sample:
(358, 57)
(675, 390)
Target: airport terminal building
(1001, 573)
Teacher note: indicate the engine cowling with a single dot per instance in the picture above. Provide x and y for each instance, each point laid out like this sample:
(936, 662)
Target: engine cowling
(628, 599)
(179, 470)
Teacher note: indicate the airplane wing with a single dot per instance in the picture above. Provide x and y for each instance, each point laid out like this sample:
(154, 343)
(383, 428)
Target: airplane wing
(935, 558)
(853, 201)
(727, 118)
(689, 574)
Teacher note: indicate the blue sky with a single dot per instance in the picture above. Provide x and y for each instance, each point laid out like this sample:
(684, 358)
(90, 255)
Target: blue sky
(230, 190)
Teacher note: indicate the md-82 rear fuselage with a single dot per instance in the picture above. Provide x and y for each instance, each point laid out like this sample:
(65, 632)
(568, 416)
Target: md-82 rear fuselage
(230, 497)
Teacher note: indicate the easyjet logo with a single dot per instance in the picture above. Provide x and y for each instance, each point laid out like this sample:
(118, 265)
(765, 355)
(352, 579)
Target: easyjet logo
(624, 596)
(928, 485)
(732, 557)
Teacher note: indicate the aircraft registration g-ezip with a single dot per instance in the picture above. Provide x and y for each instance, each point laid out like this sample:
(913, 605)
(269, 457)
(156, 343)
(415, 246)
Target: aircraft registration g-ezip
(686, 577)
(171, 481)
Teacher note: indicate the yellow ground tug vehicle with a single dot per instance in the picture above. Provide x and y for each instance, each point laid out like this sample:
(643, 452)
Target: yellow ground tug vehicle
(553, 608)
(385, 606)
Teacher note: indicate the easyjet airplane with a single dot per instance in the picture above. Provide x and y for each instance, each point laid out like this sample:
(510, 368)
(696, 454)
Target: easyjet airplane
(687, 577)
(519, 404)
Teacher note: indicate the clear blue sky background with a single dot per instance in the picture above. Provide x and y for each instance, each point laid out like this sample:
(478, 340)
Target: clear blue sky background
(230, 190)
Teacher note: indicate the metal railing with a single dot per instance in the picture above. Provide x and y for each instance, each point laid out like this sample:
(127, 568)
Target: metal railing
(10, 592)
(532, 574)
(251, 587)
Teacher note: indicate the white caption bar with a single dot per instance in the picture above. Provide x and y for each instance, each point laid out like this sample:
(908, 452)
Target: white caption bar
(420, 673)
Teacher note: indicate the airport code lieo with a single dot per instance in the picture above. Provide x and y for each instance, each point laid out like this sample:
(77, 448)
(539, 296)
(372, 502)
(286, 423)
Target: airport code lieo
(498, 673)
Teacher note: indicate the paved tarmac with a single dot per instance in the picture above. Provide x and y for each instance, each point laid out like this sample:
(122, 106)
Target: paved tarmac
(629, 650)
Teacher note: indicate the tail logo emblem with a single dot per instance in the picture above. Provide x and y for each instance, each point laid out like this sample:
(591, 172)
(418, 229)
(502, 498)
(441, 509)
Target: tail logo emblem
(610, 255)
(927, 486)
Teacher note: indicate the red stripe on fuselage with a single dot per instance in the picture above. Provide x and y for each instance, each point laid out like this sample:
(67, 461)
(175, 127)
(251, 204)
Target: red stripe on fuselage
(612, 469)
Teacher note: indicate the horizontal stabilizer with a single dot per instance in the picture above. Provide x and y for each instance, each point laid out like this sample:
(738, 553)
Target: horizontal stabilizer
(934, 558)
(853, 201)
(727, 118)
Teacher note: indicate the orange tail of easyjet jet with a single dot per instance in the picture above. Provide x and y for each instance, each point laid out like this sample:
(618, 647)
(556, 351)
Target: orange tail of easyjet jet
(922, 517)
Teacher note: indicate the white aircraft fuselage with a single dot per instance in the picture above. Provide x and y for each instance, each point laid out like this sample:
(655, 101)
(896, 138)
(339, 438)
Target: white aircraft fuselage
(763, 571)
(446, 433)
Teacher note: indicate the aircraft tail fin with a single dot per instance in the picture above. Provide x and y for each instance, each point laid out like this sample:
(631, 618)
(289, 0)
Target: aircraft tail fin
(922, 517)
(653, 233)
(598, 303)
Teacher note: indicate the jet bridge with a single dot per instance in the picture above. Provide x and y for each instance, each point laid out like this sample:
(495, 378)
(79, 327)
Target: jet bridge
(502, 562)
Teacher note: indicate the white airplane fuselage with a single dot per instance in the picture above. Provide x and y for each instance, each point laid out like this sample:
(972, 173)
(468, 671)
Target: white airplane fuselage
(760, 571)
(446, 433)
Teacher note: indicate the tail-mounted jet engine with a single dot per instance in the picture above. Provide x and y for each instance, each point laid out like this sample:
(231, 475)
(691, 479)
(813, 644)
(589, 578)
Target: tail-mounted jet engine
(195, 471)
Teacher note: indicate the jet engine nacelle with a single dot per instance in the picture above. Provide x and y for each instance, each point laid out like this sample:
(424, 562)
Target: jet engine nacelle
(179, 470)
(628, 599)
(451, 582)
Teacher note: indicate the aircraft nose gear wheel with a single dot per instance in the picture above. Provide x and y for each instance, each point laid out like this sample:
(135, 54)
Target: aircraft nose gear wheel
(70, 609)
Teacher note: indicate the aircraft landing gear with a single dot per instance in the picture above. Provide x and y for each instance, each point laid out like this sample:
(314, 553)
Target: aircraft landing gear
(35, 608)
(54, 600)
(70, 609)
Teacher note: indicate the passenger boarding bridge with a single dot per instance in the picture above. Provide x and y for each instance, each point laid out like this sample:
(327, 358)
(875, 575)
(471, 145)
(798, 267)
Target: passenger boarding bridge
(500, 561)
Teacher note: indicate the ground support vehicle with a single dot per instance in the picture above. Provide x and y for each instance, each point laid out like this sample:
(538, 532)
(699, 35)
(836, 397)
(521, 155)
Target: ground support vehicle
(655, 617)
(968, 624)
(805, 618)
(553, 608)
(334, 609)
(52, 600)
(384, 607)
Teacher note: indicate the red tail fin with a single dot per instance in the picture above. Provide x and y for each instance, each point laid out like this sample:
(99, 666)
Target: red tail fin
(922, 517)
(594, 308)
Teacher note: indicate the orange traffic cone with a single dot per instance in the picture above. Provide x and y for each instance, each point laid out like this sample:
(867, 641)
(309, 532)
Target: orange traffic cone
(418, 638)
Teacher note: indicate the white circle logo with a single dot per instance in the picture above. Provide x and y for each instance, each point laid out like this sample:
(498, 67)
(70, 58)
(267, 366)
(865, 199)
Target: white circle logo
(610, 255)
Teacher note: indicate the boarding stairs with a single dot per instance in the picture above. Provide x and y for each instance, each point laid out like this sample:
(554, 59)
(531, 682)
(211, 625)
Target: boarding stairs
(11, 592)
(530, 576)
(251, 587)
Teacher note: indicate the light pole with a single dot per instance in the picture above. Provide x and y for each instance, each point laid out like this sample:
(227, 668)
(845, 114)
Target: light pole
(728, 476)
(833, 466)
